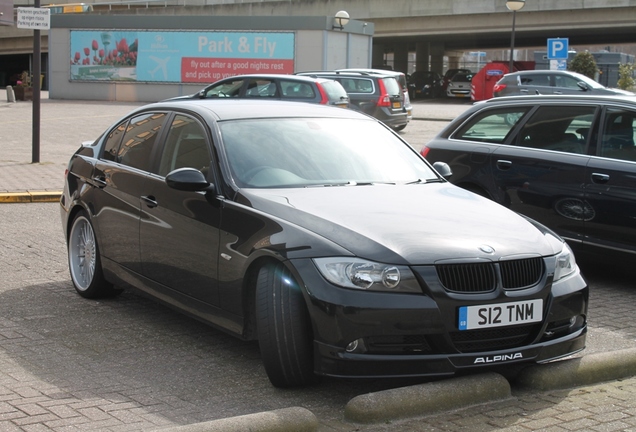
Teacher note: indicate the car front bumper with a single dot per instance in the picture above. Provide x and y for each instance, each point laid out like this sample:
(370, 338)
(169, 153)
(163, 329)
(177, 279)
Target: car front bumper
(375, 334)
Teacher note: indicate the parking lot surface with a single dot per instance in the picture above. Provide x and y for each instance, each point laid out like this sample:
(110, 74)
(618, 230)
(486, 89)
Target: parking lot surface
(129, 364)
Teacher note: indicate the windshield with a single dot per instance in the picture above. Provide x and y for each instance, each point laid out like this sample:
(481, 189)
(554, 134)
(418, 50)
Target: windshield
(283, 152)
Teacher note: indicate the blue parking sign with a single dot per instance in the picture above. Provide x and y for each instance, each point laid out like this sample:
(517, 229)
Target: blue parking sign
(558, 49)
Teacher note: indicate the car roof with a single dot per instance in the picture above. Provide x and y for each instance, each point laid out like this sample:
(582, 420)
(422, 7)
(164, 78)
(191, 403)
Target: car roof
(237, 108)
(358, 73)
(540, 71)
(372, 71)
(502, 100)
(273, 76)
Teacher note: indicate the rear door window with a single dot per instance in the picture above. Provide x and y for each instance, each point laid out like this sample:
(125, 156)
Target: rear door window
(559, 128)
(139, 140)
(294, 89)
(257, 88)
(535, 80)
(358, 85)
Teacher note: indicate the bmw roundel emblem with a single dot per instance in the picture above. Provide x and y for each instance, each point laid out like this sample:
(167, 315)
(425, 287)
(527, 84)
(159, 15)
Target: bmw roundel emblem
(486, 249)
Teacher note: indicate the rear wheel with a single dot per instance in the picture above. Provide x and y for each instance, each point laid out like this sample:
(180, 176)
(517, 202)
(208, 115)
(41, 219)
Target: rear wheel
(84, 260)
(284, 330)
(399, 128)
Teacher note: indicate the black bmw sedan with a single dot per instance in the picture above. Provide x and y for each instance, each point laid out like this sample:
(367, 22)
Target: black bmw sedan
(320, 233)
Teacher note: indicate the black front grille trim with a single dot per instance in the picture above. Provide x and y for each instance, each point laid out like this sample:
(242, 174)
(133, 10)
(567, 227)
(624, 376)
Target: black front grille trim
(520, 274)
(467, 278)
(481, 277)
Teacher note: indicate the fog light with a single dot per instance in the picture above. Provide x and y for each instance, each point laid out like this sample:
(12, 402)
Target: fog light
(357, 346)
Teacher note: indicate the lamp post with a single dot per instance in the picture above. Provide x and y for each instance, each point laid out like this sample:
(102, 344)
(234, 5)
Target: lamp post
(514, 6)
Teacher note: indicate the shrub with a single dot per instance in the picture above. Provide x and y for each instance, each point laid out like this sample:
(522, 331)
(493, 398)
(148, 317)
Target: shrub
(585, 64)
(626, 79)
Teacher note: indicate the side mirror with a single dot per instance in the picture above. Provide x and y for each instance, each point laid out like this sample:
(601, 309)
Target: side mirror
(443, 169)
(583, 86)
(188, 179)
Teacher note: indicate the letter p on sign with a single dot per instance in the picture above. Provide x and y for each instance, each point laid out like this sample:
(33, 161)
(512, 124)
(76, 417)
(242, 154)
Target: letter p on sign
(558, 49)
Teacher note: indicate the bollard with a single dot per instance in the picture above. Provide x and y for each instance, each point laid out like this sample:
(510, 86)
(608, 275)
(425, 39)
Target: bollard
(10, 94)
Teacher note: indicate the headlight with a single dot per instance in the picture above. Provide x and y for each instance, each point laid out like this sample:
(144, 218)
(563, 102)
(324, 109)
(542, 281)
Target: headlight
(367, 275)
(565, 263)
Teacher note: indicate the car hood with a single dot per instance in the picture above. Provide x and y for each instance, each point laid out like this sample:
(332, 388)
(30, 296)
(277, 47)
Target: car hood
(408, 224)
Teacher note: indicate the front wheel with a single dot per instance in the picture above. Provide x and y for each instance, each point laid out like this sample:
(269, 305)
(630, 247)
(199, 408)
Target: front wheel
(84, 261)
(284, 329)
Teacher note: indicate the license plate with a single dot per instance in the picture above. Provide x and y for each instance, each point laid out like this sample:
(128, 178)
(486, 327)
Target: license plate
(501, 314)
(397, 105)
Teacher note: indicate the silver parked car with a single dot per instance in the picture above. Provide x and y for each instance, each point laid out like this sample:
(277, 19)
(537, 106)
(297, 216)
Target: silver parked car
(534, 82)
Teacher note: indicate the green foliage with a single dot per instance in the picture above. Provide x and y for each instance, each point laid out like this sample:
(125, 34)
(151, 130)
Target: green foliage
(585, 64)
(626, 79)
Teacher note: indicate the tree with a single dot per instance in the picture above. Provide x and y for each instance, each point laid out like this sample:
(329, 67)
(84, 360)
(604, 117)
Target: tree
(585, 64)
(626, 79)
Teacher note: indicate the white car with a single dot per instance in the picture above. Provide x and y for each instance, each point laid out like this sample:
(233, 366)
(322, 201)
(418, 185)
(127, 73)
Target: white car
(459, 85)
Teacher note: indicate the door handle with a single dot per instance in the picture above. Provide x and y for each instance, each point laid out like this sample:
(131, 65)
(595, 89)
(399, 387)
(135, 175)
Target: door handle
(150, 201)
(504, 164)
(99, 182)
(600, 178)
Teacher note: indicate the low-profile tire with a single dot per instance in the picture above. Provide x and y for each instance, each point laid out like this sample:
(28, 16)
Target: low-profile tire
(84, 261)
(284, 329)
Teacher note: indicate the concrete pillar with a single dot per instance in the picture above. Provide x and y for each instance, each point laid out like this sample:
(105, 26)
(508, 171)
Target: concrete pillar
(421, 56)
(401, 57)
(453, 62)
(377, 56)
(437, 58)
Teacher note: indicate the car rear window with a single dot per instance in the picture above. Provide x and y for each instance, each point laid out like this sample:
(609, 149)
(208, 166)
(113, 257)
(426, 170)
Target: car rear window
(392, 86)
(334, 90)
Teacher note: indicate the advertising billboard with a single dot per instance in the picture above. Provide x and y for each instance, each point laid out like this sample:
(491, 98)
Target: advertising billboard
(177, 56)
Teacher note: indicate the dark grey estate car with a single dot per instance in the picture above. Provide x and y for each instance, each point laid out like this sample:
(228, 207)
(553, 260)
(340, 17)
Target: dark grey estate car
(547, 82)
(568, 162)
(378, 94)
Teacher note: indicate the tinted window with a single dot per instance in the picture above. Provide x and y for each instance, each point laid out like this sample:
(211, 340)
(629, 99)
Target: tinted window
(566, 81)
(261, 88)
(561, 128)
(619, 136)
(392, 86)
(491, 125)
(226, 89)
(357, 85)
(334, 90)
(186, 146)
(139, 140)
(535, 80)
(113, 141)
(295, 89)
